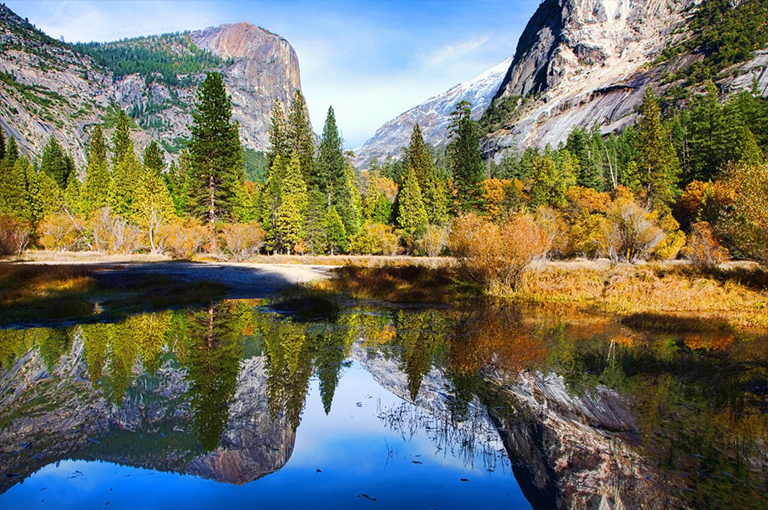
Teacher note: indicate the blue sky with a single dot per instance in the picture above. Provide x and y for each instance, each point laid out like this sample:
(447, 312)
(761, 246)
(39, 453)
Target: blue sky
(370, 59)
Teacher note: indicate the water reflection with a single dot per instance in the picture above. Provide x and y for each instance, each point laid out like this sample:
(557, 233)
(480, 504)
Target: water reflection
(584, 410)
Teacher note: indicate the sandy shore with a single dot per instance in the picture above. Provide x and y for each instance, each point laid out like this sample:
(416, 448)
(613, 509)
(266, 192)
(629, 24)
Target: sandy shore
(242, 280)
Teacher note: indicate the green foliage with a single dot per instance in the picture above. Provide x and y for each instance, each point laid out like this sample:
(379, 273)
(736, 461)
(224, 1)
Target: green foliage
(433, 188)
(411, 215)
(278, 134)
(466, 162)
(500, 113)
(163, 56)
(347, 200)
(123, 184)
(299, 136)
(2, 145)
(154, 158)
(56, 163)
(121, 138)
(658, 165)
(329, 175)
(289, 221)
(725, 33)
(256, 166)
(335, 233)
(216, 153)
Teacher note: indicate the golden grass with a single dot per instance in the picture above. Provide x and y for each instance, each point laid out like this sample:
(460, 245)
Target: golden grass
(739, 297)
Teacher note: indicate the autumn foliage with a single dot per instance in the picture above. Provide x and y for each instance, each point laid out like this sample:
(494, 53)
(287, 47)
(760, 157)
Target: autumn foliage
(496, 255)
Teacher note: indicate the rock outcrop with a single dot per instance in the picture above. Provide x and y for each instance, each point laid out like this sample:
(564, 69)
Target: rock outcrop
(50, 88)
(432, 116)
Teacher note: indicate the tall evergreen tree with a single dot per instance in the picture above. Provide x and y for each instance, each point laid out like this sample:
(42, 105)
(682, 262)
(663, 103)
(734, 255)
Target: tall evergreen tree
(270, 199)
(94, 194)
(657, 163)
(2, 146)
(278, 134)
(707, 138)
(124, 180)
(121, 138)
(154, 157)
(315, 221)
(216, 153)
(300, 135)
(411, 215)
(11, 152)
(289, 222)
(348, 202)
(432, 187)
(465, 158)
(329, 172)
(55, 163)
(335, 233)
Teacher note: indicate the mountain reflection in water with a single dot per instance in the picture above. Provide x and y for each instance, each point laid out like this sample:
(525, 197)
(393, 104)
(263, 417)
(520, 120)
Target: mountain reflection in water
(582, 410)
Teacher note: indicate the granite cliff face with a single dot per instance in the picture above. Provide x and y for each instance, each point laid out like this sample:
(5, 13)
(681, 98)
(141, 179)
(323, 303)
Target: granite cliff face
(581, 62)
(432, 116)
(49, 87)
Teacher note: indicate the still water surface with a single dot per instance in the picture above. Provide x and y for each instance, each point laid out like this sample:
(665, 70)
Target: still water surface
(238, 406)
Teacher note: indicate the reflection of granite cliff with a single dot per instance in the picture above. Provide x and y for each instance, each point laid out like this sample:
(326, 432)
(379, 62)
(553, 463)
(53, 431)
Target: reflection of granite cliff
(566, 451)
(49, 416)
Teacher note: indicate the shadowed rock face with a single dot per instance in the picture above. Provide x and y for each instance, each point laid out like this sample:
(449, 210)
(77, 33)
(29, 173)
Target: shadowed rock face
(64, 417)
(259, 67)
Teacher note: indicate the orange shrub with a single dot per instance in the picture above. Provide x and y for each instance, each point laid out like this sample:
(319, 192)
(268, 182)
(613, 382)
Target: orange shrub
(243, 240)
(496, 255)
(703, 250)
(632, 232)
(61, 231)
(182, 238)
(14, 236)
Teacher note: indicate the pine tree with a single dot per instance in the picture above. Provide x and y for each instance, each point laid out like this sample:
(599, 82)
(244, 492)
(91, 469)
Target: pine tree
(216, 153)
(707, 145)
(747, 150)
(270, 199)
(11, 153)
(348, 202)
(315, 222)
(411, 215)
(465, 159)
(278, 134)
(154, 158)
(300, 136)
(71, 195)
(289, 222)
(657, 163)
(54, 162)
(329, 175)
(13, 199)
(94, 193)
(433, 189)
(2, 146)
(335, 233)
(124, 180)
(121, 138)
(179, 179)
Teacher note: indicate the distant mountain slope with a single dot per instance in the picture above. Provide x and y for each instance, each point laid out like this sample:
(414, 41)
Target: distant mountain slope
(49, 87)
(433, 116)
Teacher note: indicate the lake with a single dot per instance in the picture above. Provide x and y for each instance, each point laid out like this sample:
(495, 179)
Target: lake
(302, 404)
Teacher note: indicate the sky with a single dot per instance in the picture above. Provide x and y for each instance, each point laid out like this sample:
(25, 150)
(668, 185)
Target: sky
(369, 59)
